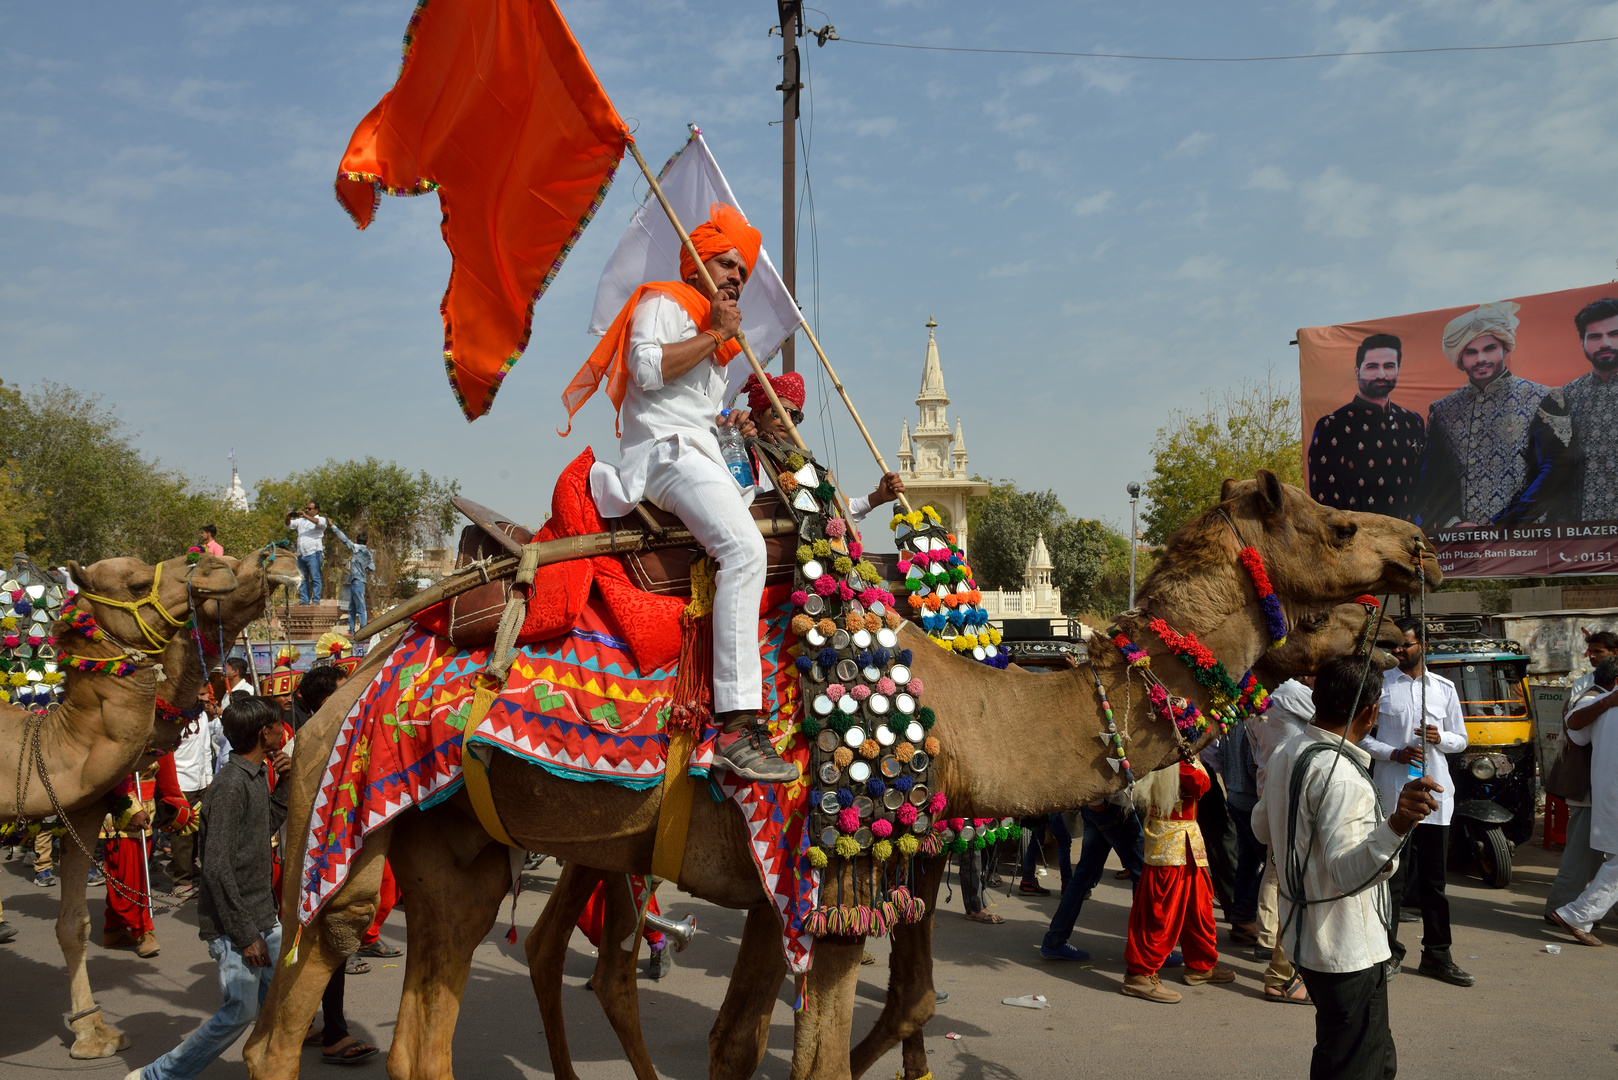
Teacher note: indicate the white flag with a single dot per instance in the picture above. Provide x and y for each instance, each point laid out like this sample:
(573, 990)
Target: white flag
(650, 251)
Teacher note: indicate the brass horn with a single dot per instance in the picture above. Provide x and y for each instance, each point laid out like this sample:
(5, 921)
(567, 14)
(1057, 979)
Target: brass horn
(680, 932)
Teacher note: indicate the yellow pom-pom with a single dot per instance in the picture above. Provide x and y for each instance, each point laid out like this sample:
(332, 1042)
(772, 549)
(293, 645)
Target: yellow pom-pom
(817, 857)
(970, 639)
(805, 553)
(882, 851)
(994, 636)
(822, 548)
(847, 847)
(842, 564)
(907, 844)
(930, 512)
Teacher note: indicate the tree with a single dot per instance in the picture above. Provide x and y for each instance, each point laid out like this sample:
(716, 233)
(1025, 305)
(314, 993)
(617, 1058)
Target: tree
(1004, 526)
(1256, 426)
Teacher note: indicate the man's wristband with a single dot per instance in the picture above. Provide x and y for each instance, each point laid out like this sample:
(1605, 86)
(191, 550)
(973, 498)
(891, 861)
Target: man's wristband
(718, 341)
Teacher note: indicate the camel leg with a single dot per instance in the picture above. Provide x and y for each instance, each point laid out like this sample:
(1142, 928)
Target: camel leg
(824, 1027)
(93, 1037)
(741, 1034)
(615, 973)
(449, 909)
(276, 1044)
(910, 1002)
(546, 947)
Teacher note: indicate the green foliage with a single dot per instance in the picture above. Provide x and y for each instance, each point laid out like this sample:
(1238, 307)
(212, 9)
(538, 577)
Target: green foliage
(1255, 426)
(1002, 530)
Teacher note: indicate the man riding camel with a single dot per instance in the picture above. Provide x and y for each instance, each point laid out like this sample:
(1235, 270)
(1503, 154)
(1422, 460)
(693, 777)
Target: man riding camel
(664, 361)
(789, 388)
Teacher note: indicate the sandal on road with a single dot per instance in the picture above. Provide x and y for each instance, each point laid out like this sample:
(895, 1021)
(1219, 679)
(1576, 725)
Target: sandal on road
(985, 916)
(379, 948)
(348, 1052)
(1293, 993)
(356, 966)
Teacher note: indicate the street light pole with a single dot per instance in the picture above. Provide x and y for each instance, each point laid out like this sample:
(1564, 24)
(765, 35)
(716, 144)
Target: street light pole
(1134, 496)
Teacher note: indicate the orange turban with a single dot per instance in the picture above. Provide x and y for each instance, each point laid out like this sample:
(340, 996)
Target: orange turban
(725, 228)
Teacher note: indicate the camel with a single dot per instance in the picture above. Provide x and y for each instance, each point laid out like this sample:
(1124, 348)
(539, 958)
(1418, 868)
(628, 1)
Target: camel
(1313, 637)
(107, 727)
(1316, 556)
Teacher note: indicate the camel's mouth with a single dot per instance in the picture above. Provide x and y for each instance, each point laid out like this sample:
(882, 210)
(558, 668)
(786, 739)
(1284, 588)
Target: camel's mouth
(283, 579)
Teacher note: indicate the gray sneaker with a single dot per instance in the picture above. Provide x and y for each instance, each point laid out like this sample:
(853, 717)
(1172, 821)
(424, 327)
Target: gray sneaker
(751, 757)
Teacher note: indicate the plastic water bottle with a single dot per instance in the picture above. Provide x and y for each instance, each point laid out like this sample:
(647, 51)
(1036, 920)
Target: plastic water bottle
(733, 448)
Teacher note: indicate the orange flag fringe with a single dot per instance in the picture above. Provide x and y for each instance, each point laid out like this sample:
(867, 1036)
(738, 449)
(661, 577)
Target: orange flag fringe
(496, 109)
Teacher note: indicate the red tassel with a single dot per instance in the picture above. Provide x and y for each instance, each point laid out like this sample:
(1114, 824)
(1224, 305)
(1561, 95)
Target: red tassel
(511, 935)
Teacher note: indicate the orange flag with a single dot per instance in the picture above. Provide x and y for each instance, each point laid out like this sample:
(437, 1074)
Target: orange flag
(497, 109)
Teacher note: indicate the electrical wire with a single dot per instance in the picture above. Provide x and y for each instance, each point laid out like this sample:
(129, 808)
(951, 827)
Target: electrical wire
(806, 137)
(1231, 59)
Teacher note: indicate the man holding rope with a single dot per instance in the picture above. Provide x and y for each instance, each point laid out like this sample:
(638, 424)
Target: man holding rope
(1320, 814)
(663, 359)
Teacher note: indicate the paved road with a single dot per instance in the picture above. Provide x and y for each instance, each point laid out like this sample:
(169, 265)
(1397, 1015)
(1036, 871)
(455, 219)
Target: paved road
(1531, 1014)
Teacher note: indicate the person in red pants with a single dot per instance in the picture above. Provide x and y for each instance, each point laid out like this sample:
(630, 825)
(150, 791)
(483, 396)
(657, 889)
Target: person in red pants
(372, 944)
(594, 916)
(1174, 900)
(129, 911)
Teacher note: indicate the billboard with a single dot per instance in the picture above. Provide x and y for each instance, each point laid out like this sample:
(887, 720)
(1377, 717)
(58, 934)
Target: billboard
(1493, 426)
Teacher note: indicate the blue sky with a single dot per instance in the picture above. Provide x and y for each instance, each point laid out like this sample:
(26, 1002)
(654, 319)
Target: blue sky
(1100, 240)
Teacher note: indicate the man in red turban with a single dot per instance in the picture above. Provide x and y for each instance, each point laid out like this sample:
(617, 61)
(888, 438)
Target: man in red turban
(789, 388)
(664, 361)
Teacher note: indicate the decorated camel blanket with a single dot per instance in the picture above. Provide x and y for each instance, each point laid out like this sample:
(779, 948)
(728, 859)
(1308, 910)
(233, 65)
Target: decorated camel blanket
(576, 705)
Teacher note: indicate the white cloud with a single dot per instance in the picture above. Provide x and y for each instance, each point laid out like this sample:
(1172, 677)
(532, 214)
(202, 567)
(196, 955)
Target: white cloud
(1093, 204)
(876, 125)
(1269, 178)
(1008, 270)
(1192, 145)
(1338, 205)
(1202, 268)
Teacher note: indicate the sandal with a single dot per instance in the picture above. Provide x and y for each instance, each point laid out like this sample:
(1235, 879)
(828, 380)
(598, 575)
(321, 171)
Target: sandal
(1244, 934)
(316, 1030)
(379, 948)
(985, 916)
(356, 966)
(1293, 992)
(349, 1052)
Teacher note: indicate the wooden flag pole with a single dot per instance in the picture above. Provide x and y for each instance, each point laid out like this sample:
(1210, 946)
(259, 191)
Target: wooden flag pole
(741, 338)
(855, 413)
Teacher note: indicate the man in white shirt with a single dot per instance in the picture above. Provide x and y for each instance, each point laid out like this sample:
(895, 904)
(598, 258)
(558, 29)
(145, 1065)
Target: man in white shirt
(789, 388)
(1596, 724)
(193, 767)
(1336, 854)
(1292, 707)
(311, 530)
(664, 361)
(1579, 860)
(1403, 742)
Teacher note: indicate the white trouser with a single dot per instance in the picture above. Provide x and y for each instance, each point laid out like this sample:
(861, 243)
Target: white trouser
(1596, 899)
(707, 499)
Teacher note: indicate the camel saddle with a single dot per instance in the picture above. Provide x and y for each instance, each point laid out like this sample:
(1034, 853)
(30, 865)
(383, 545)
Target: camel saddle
(661, 565)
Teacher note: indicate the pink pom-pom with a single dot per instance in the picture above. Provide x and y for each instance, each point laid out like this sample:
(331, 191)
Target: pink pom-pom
(914, 687)
(870, 596)
(855, 549)
(835, 691)
(887, 598)
(860, 693)
(886, 686)
(904, 567)
(936, 803)
(956, 823)
(836, 527)
(907, 815)
(882, 827)
(848, 819)
(800, 598)
(844, 593)
(825, 585)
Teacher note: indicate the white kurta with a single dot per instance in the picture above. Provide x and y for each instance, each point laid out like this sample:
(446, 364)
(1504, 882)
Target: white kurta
(1292, 708)
(1602, 738)
(670, 455)
(1397, 726)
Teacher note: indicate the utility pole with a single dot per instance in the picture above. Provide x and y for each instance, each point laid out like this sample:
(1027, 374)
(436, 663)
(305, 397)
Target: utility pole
(791, 13)
(1134, 539)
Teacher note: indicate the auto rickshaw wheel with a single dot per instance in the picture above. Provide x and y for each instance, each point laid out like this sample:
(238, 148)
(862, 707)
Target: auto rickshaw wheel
(1493, 853)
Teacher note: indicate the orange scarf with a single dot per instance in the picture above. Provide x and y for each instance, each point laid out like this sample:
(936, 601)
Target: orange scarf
(610, 358)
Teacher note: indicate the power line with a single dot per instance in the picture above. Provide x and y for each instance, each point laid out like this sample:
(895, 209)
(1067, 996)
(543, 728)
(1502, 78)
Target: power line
(1229, 59)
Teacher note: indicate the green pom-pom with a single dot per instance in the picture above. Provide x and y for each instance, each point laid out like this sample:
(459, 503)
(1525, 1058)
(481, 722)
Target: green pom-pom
(956, 575)
(817, 857)
(840, 721)
(811, 724)
(925, 717)
(825, 492)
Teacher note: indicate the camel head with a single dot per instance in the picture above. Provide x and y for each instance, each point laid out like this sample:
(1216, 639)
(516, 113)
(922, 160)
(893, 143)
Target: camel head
(1316, 637)
(1316, 556)
(130, 581)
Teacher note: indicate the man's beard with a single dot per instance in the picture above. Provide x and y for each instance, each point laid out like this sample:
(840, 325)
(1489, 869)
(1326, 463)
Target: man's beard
(1603, 359)
(1407, 665)
(1377, 389)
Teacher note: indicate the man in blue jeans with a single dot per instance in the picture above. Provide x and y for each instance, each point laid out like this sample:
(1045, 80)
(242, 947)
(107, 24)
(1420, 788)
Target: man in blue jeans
(1110, 825)
(236, 905)
(311, 548)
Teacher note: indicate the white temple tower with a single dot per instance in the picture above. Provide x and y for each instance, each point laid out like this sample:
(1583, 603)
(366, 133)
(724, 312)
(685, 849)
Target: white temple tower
(932, 459)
